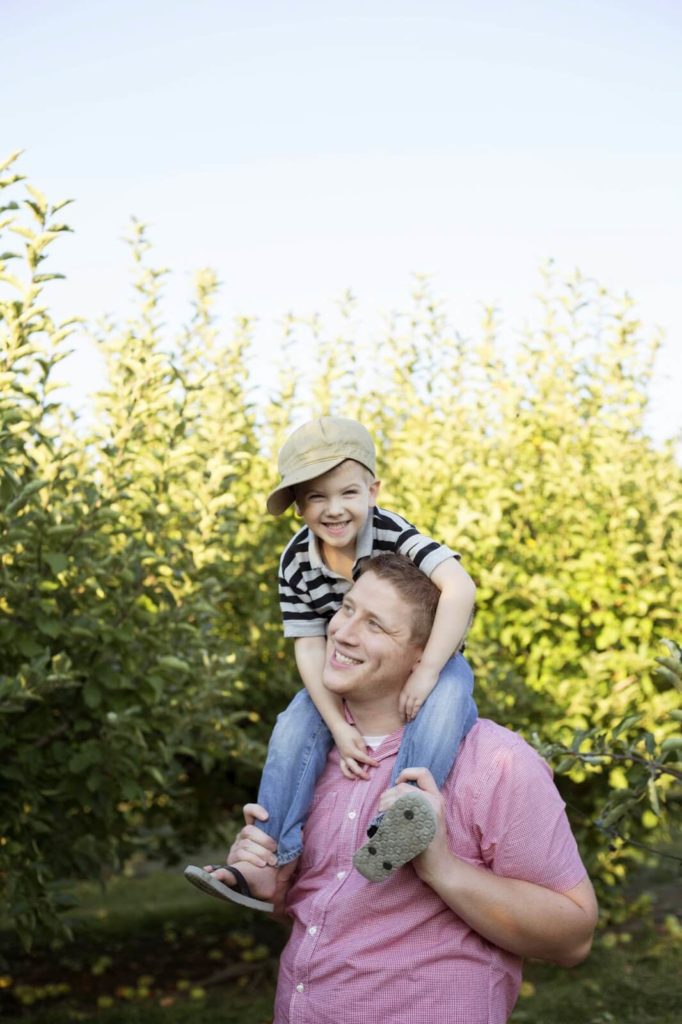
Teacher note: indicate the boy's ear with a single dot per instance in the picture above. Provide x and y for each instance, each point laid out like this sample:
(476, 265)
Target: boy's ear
(373, 491)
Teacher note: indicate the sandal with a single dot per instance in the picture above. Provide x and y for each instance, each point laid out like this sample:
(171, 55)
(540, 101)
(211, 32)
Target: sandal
(404, 832)
(214, 887)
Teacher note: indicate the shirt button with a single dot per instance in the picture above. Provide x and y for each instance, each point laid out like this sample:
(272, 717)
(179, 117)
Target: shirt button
(351, 815)
(312, 930)
(299, 987)
(341, 874)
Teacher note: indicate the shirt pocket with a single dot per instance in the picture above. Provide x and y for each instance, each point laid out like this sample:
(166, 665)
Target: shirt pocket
(320, 833)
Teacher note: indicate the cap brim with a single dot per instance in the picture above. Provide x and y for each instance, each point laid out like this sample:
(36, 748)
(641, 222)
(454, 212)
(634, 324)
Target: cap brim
(278, 501)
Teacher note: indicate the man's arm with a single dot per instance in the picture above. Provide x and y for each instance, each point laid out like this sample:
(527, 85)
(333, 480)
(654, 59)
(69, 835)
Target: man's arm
(522, 917)
(453, 616)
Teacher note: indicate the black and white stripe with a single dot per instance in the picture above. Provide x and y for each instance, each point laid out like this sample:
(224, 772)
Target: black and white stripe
(310, 593)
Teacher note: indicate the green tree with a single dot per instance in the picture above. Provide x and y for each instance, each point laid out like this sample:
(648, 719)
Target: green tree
(142, 658)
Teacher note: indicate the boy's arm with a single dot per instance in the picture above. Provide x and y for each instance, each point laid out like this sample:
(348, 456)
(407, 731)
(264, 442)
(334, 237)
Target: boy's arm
(310, 652)
(453, 616)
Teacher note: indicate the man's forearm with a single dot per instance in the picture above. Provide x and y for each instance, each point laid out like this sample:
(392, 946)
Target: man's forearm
(520, 917)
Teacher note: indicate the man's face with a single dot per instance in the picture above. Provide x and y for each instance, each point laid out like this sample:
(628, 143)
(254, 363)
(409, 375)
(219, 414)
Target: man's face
(370, 652)
(335, 505)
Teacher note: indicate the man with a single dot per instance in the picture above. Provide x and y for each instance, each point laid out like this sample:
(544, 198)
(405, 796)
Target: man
(444, 937)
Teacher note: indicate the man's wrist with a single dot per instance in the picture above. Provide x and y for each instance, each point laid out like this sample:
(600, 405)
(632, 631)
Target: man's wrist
(437, 867)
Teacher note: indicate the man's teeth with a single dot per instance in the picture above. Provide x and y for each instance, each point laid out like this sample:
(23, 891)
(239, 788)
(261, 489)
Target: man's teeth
(344, 659)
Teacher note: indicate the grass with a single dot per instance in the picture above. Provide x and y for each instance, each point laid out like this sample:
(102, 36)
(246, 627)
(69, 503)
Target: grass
(634, 983)
(152, 949)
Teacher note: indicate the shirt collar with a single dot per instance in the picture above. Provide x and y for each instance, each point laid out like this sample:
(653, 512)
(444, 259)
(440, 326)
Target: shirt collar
(364, 540)
(390, 745)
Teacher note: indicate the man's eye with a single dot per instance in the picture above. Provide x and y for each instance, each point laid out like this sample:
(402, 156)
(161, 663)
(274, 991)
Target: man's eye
(374, 624)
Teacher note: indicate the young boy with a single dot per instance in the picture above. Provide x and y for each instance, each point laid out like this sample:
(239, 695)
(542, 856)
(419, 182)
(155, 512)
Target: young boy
(327, 468)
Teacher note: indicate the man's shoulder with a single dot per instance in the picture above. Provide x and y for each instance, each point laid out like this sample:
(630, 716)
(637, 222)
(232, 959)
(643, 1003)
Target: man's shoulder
(491, 746)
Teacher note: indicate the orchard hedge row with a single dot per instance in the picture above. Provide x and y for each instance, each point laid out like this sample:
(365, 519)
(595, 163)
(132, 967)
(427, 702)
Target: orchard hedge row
(142, 663)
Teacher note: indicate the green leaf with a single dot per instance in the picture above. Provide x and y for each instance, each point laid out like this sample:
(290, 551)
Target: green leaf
(26, 493)
(56, 561)
(173, 662)
(28, 646)
(10, 159)
(92, 694)
(50, 627)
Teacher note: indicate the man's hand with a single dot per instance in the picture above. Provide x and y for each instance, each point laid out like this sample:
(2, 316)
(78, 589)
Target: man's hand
(253, 853)
(438, 850)
(415, 691)
(353, 751)
(522, 917)
(252, 844)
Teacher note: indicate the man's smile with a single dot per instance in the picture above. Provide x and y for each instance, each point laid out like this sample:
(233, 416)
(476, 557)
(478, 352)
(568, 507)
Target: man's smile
(343, 659)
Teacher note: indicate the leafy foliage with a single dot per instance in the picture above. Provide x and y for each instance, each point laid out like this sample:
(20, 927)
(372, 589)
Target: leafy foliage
(142, 655)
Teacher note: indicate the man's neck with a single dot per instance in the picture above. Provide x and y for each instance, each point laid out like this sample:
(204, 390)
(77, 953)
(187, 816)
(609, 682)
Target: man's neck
(376, 718)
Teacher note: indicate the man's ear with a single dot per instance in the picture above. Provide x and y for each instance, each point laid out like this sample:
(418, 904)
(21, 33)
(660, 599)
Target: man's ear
(373, 491)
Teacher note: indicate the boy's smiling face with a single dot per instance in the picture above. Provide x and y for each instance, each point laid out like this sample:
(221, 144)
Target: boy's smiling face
(335, 505)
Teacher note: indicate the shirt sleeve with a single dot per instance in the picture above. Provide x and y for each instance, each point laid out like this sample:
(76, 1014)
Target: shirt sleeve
(299, 617)
(397, 534)
(522, 821)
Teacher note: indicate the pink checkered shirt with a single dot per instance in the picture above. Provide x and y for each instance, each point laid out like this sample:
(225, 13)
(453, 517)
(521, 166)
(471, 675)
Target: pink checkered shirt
(392, 952)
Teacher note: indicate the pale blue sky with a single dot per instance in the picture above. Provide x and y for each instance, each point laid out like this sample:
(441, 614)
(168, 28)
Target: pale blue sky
(302, 148)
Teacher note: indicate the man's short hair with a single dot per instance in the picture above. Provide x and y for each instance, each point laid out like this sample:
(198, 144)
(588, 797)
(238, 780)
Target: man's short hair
(414, 587)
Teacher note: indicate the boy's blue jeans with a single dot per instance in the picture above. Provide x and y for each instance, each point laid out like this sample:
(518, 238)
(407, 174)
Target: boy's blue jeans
(300, 742)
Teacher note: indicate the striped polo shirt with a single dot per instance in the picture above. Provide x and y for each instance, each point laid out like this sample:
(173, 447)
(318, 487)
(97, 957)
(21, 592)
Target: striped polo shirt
(310, 593)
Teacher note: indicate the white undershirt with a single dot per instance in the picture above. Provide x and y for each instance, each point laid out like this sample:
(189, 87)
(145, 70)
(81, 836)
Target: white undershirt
(374, 741)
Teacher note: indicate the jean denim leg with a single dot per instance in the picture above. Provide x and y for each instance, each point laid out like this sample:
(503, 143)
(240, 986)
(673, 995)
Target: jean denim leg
(432, 739)
(297, 754)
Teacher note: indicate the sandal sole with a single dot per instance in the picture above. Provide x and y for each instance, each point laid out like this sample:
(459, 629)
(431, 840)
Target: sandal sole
(214, 887)
(405, 831)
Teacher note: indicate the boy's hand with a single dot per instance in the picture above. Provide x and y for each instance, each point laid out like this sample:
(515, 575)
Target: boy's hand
(415, 691)
(352, 749)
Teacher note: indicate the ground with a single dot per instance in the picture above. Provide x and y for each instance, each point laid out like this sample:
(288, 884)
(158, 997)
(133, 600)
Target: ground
(151, 948)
